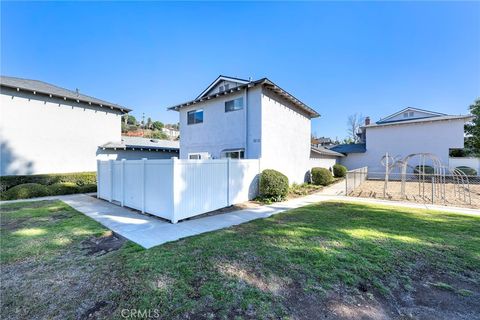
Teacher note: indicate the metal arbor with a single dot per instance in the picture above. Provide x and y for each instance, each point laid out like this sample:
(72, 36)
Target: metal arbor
(437, 177)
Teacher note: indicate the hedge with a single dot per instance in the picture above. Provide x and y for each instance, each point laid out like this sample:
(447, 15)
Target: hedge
(33, 190)
(25, 191)
(78, 178)
(423, 169)
(467, 170)
(273, 185)
(321, 176)
(339, 171)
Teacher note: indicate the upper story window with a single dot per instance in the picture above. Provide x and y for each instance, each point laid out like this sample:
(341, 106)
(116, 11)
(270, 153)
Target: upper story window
(195, 116)
(234, 105)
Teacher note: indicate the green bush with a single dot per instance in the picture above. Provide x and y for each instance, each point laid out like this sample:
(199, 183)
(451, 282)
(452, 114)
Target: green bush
(273, 185)
(339, 171)
(25, 191)
(57, 189)
(321, 176)
(87, 188)
(467, 170)
(78, 178)
(423, 169)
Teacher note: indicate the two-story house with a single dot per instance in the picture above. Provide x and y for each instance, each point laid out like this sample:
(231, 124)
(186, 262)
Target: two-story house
(245, 119)
(405, 132)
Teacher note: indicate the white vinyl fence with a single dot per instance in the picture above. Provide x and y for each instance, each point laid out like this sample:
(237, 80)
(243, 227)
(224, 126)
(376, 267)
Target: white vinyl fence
(176, 189)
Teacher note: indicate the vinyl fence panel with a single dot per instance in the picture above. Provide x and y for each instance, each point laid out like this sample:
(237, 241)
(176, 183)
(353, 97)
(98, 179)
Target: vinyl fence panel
(243, 180)
(159, 188)
(178, 189)
(199, 186)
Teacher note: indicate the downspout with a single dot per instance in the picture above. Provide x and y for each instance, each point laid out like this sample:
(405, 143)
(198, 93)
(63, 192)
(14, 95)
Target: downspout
(246, 121)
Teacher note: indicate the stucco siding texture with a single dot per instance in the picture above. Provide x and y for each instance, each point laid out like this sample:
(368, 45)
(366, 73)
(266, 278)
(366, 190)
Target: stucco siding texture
(402, 140)
(220, 130)
(285, 138)
(44, 135)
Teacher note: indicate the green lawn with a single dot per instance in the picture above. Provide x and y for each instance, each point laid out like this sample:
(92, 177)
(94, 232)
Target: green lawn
(330, 260)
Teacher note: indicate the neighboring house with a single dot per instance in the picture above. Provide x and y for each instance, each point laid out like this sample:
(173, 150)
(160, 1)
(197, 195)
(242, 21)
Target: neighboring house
(238, 118)
(135, 148)
(406, 132)
(171, 133)
(322, 142)
(48, 129)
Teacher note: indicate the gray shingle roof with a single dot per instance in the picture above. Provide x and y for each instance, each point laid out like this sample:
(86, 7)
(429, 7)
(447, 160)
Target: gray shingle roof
(326, 152)
(40, 87)
(129, 143)
(350, 148)
(263, 82)
(425, 119)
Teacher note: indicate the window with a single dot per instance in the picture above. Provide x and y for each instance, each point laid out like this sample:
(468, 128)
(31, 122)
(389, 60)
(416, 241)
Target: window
(408, 114)
(220, 89)
(227, 86)
(194, 116)
(234, 105)
(235, 154)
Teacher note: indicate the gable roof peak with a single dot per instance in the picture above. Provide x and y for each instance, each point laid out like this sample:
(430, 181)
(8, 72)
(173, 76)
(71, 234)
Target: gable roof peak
(428, 113)
(219, 79)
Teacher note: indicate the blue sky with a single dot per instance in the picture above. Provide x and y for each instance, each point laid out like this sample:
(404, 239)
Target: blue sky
(338, 57)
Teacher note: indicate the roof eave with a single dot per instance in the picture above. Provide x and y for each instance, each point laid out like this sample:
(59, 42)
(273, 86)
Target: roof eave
(52, 95)
(264, 81)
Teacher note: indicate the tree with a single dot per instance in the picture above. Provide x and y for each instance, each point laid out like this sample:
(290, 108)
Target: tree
(472, 130)
(353, 126)
(129, 119)
(149, 123)
(157, 125)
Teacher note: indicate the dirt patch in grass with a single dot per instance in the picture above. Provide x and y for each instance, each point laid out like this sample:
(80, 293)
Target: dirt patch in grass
(108, 242)
(374, 189)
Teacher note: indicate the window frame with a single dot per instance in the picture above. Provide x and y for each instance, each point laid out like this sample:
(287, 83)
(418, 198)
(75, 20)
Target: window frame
(235, 108)
(240, 154)
(195, 121)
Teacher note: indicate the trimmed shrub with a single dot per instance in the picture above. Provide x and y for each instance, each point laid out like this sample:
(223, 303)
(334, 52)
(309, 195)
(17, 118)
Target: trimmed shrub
(467, 170)
(78, 178)
(423, 169)
(86, 188)
(339, 171)
(321, 176)
(57, 189)
(273, 185)
(25, 191)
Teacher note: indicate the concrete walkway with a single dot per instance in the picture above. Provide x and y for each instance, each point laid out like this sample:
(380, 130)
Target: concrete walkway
(149, 231)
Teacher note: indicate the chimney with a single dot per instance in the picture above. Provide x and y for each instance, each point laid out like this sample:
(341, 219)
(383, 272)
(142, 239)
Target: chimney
(367, 121)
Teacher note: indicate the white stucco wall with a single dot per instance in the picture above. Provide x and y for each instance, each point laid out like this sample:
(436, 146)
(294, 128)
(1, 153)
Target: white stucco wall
(220, 130)
(110, 154)
(323, 162)
(435, 137)
(277, 133)
(285, 142)
(43, 135)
